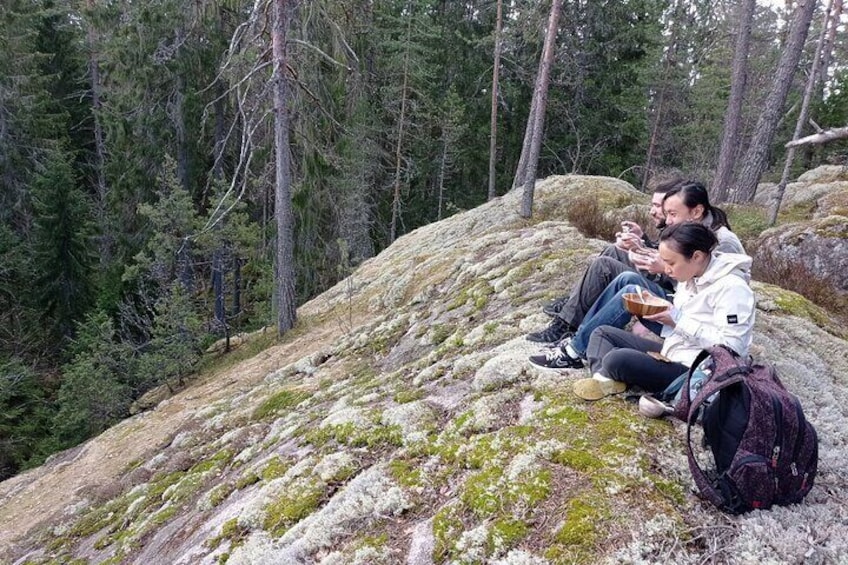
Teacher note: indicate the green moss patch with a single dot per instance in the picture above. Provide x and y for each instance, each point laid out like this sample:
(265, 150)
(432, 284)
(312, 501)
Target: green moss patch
(277, 403)
(586, 519)
(293, 506)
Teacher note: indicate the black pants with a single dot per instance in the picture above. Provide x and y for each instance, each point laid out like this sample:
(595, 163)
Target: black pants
(610, 263)
(622, 356)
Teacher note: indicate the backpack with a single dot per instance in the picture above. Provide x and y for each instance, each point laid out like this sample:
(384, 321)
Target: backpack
(765, 451)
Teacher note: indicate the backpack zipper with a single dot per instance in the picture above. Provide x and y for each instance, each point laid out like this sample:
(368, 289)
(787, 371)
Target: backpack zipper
(778, 435)
(802, 432)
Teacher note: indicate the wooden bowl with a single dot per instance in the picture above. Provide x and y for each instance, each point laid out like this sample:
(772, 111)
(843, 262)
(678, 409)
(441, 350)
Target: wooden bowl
(649, 304)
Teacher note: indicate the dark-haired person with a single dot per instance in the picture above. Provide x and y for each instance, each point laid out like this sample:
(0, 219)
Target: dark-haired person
(687, 201)
(713, 305)
(568, 312)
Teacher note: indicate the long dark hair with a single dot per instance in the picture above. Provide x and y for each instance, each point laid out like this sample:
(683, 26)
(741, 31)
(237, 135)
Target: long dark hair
(689, 237)
(693, 193)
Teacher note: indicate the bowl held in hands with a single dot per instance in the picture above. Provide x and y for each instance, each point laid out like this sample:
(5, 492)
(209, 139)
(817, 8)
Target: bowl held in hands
(643, 305)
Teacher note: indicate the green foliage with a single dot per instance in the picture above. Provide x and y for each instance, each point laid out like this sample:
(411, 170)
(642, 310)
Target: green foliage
(24, 418)
(172, 220)
(97, 385)
(63, 256)
(175, 343)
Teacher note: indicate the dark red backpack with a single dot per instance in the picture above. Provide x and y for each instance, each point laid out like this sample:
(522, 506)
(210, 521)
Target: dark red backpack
(765, 451)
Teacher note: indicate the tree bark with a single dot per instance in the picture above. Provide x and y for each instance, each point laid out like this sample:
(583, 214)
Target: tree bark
(812, 80)
(521, 169)
(827, 55)
(105, 239)
(756, 157)
(733, 117)
(284, 271)
(398, 154)
(493, 129)
(541, 95)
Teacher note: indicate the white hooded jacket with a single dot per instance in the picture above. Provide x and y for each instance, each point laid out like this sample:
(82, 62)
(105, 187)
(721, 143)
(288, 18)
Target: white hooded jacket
(716, 308)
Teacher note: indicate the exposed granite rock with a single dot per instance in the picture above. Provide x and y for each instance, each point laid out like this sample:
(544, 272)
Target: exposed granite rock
(400, 423)
(820, 245)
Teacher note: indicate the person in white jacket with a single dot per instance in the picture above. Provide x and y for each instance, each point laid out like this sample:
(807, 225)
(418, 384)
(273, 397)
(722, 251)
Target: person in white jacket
(713, 305)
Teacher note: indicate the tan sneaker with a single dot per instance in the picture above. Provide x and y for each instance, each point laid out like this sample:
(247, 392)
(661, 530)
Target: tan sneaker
(593, 389)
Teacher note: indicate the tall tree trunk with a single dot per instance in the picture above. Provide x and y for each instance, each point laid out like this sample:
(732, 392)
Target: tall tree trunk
(105, 238)
(284, 271)
(521, 169)
(541, 94)
(401, 122)
(182, 134)
(236, 305)
(493, 130)
(733, 117)
(812, 80)
(827, 55)
(218, 270)
(756, 157)
(652, 144)
(218, 289)
(443, 165)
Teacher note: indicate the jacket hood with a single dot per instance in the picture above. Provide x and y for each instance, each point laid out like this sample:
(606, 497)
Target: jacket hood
(722, 264)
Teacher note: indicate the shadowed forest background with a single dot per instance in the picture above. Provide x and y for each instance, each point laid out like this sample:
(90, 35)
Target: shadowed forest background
(137, 158)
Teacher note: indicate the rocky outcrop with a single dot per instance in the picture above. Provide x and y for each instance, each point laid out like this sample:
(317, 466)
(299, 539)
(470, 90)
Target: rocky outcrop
(399, 422)
(819, 245)
(813, 191)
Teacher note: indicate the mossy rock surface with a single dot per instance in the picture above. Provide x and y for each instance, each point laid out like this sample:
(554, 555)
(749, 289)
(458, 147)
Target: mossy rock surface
(401, 423)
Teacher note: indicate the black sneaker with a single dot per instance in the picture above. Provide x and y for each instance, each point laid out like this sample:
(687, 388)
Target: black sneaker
(555, 307)
(556, 331)
(556, 359)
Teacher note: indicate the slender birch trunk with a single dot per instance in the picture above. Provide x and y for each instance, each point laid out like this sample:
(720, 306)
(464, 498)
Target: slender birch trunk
(493, 130)
(398, 154)
(284, 272)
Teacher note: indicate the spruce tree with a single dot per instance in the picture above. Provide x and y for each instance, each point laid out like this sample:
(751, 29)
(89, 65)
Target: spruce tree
(63, 247)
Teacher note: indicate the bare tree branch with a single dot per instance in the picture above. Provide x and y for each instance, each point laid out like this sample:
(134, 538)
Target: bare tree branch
(823, 137)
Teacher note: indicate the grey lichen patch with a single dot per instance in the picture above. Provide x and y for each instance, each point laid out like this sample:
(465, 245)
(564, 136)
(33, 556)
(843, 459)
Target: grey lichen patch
(368, 498)
(498, 372)
(415, 420)
(380, 338)
(370, 550)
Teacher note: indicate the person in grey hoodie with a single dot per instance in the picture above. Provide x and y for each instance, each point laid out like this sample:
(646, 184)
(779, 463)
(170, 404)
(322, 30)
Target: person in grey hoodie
(713, 305)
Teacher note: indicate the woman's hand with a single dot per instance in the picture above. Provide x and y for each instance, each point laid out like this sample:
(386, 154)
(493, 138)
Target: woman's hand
(664, 317)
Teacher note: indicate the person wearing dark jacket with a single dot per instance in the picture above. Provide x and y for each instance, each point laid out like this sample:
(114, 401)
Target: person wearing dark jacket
(568, 311)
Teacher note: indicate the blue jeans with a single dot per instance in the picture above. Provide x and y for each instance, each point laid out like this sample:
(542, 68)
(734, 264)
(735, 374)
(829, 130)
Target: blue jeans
(608, 309)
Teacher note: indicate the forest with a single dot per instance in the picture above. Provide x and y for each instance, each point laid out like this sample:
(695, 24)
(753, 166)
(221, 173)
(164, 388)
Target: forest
(143, 146)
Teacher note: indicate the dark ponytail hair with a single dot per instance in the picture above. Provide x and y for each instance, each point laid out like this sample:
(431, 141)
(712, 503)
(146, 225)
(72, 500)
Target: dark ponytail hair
(689, 237)
(693, 193)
